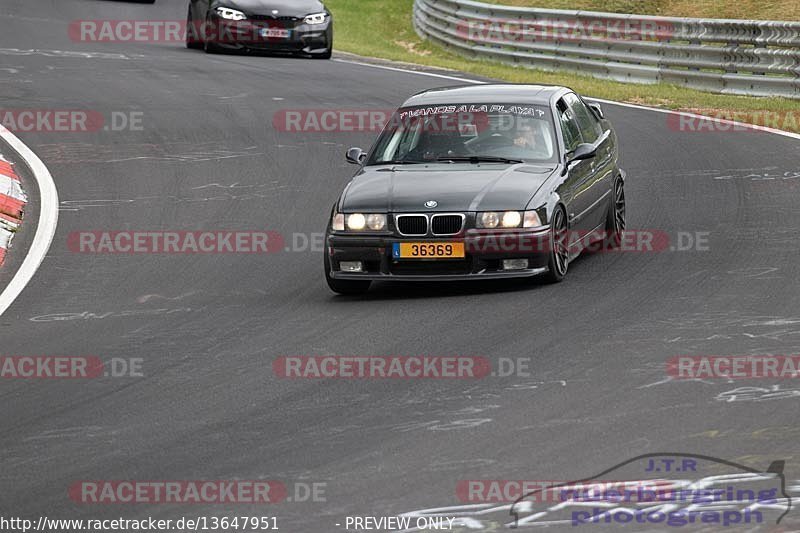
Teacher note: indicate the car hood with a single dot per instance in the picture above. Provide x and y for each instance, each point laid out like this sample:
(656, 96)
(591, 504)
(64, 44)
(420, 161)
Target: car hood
(289, 8)
(403, 189)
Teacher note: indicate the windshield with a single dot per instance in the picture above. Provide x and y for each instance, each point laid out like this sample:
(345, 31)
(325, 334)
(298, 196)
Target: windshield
(501, 132)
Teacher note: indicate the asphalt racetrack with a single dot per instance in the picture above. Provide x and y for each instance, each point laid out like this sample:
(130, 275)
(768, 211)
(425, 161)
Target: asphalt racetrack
(205, 329)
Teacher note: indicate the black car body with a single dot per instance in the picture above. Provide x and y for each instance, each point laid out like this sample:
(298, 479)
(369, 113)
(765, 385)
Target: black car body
(283, 26)
(478, 182)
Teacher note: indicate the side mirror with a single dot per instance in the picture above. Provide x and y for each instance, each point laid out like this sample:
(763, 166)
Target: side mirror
(597, 109)
(583, 151)
(356, 156)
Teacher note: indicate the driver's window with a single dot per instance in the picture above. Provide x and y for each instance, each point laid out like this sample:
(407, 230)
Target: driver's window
(569, 127)
(587, 122)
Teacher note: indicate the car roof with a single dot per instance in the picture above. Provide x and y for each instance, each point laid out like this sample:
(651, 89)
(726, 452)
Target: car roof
(510, 93)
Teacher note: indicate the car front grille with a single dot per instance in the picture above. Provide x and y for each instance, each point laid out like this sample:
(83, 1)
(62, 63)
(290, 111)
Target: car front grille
(412, 224)
(271, 17)
(288, 23)
(446, 224)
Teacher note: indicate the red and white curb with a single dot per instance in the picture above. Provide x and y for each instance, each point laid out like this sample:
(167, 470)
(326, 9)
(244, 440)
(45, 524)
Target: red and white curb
(12, 205)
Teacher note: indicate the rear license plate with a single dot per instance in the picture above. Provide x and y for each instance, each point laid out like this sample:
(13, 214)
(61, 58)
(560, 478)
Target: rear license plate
(275, 33)
(428, 250)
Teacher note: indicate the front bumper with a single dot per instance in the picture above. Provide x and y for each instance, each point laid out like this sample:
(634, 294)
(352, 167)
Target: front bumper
(484, 254)
(248, 35)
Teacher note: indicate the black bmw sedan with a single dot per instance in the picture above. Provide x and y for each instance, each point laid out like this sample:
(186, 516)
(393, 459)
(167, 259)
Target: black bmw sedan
(303, 27)
(478, 182)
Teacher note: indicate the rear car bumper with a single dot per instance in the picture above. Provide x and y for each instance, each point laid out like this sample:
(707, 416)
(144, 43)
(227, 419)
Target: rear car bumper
(484, 255)
(246, 35)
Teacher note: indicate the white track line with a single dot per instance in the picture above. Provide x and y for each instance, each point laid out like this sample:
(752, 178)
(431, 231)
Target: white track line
(421, 73)
(48, 220)
(611, 102)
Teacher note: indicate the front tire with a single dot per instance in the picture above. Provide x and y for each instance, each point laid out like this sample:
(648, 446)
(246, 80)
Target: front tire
(344, 286)
(210, 48)
(208, 45)
(325, 55)
(193, 40)
(329, 51)
(558, 263)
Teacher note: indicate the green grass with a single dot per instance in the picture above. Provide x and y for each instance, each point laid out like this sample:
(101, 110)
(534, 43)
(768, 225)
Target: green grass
(382, 28)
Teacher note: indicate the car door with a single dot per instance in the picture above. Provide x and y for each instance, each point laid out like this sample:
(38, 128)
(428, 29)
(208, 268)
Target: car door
(578, 172)
(593, 193)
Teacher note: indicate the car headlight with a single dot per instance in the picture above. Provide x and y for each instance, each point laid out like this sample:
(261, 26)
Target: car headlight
(356, 222)
(488, 220)
(316, 18)
(359, 222)
(230, 14)
(376, 222)
(508, 219)
(511, 219)
(505, 219)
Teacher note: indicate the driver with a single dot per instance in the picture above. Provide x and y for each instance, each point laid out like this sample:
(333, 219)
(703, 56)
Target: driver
(526, 137)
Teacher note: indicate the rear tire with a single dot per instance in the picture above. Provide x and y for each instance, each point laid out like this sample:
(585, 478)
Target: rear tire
(344, 286)
(615, 220)
(558, 264)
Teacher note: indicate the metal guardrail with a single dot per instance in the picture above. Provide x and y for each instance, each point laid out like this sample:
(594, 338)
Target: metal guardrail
(745, 57)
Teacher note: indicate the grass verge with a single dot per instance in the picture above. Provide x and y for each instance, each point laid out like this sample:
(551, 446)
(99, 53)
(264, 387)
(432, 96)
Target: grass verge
(382, 29)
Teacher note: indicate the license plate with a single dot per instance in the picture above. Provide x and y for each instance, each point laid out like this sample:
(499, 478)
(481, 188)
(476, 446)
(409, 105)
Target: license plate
(428, 250)
(275, 33)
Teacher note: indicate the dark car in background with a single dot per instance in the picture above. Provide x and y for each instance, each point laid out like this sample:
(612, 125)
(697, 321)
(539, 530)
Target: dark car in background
(478, 182)
(303, 27)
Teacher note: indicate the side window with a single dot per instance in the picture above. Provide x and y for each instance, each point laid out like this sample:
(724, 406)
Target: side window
(569, 127)
(587, 122)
